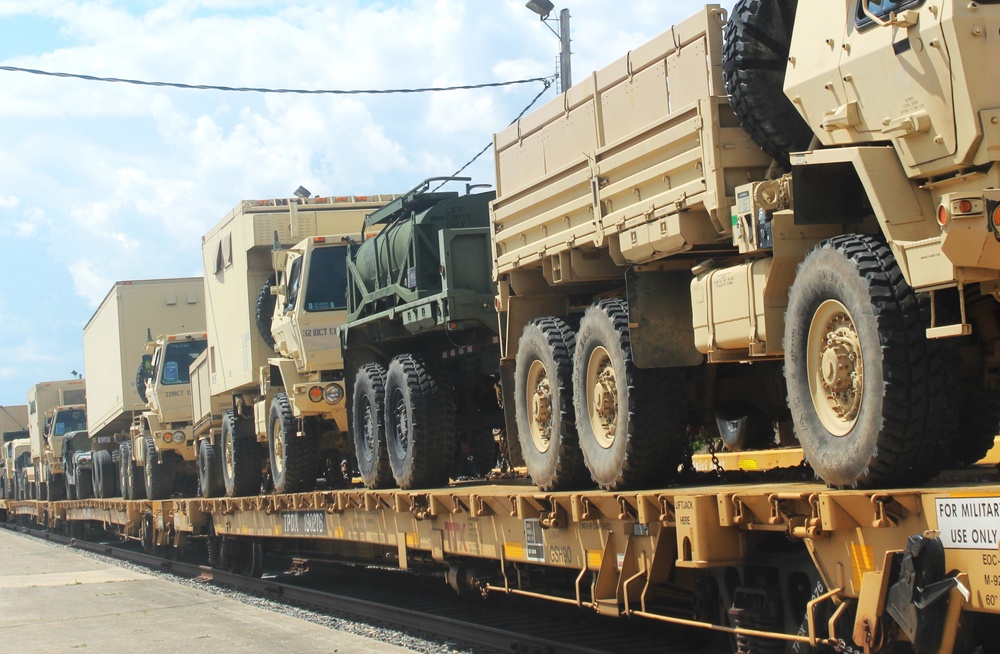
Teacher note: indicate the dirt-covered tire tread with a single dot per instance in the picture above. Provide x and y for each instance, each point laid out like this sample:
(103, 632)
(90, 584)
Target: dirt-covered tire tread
(246, 475)
(159, 476)
(210, 470)
(917, 406)
(301, 453)
(650, 444)
(373, 458)
(562, 466)
(431, 422)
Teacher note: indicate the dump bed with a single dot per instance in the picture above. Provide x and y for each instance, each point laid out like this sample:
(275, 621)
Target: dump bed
(115, 337)
(645, 155)
(237, 259)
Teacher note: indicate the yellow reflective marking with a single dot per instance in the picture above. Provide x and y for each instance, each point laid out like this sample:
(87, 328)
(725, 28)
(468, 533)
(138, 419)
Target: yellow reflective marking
(277, 530)
(747, 464)
(862, 561)
(594, 558)
(338, 532)
(412, 540)
(513, 550)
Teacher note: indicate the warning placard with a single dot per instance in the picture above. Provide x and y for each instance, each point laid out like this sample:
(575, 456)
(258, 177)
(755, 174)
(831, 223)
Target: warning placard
(969, 523)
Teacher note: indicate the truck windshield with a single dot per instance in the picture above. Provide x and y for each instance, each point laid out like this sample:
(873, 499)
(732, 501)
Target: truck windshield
(327, 286)
(67, 421)
(178, 359)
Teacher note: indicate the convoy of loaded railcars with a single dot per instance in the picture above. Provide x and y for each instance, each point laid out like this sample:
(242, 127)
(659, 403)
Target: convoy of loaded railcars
(776, 226)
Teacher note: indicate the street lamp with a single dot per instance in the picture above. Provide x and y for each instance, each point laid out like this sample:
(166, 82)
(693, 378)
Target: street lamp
(544, 8)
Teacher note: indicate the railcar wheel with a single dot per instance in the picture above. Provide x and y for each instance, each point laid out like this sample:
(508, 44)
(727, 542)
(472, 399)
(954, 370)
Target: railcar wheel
(294, 458)
(209, 470)
(543, 405)
(867, 391)
(241, 471)
(368, 426)
(419, 425)
(104, 474)
(631, 422)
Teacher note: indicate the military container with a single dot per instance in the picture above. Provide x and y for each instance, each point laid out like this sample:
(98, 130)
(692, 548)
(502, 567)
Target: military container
(13, 418)
(115, 337)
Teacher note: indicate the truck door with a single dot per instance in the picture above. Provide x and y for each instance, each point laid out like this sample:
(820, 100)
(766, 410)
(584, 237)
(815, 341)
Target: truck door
(896, 65)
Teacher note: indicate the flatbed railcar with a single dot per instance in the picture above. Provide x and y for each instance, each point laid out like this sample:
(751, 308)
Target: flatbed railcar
(797, 563)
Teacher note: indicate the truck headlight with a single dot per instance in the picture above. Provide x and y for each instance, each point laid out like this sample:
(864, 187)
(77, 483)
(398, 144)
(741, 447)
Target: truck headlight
(167, 436)
(333, 393)
(178, 437)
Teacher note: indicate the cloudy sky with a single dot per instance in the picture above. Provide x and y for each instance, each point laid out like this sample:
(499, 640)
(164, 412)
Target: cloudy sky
(102, 182)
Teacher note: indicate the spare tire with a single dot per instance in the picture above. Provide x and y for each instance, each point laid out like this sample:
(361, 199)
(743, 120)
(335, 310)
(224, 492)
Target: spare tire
(140, 382)
(758, 37)
(265, 311)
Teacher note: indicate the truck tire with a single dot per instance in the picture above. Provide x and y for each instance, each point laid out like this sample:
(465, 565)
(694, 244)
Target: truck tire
(631, 422)
(210, 470)
(294, 458)
(104, 474)
(136, 478)
(757, 42)
(241, 472)
(419, 425)
(264, 311)
(57, 488)
(84, 484)
(368, 426)
(158, 474)
(543, 405)
(870, 396)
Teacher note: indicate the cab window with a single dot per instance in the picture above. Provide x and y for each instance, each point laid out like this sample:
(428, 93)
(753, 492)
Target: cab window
(327, 288)
(294, 279)
(67, 421)
(178, 359)
(882, 8)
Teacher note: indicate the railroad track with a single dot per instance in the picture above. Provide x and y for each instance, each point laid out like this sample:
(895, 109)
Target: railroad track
(410, 603)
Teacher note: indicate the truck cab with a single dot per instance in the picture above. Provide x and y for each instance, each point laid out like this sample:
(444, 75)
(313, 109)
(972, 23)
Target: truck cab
(161, 439)
(311, 303)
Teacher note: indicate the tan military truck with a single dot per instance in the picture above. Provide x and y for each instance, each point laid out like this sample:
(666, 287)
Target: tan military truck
(161, 443)
(826, 257)
(56, 409)
(273, 352)
(16, 466)
(114, 341)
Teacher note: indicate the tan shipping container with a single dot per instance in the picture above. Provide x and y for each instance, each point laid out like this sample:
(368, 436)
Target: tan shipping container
(114, 338)
(13, 418)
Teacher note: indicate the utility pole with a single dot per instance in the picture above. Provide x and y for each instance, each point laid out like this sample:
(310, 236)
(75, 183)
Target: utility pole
(544, 8)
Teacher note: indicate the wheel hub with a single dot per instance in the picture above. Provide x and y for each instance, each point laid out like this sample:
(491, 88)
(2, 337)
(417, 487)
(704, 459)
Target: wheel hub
(279, 447)
(836, 367)
(602, 385)
(539, 392)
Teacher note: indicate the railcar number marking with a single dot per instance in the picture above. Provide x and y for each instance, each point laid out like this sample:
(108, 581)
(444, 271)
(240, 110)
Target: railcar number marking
(303, 523)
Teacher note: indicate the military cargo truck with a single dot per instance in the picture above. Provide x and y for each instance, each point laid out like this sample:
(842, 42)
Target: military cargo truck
(826, 257)
(161, 444)
(420, 341)
(114, 341)
(55, 410)
(273, 354)
(16, 466)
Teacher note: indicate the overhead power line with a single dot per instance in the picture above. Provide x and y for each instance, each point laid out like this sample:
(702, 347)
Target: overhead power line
(251, 89)
(548, 83)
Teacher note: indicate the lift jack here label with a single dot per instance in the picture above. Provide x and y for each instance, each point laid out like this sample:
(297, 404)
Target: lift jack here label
(969, 523)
